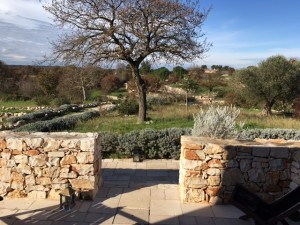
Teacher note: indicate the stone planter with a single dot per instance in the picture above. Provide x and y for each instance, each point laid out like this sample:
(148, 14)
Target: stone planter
(210, 168)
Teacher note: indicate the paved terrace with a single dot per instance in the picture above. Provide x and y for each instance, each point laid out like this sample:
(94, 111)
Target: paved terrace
(133, 193)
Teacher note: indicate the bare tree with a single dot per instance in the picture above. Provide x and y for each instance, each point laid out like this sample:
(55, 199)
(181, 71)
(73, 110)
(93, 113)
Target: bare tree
(129, 30)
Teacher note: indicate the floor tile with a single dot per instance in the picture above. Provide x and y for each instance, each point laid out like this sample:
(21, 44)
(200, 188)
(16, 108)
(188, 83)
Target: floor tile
(99, 218)
(163, 220)
(187, 220)
(165, 207)
(136, 199)
(17, 203)
(205, 221)
(226, 211)
(195, 209)
(125, 215)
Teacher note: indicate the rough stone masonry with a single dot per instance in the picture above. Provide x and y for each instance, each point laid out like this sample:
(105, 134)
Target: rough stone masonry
(41, 165)
(210, 169)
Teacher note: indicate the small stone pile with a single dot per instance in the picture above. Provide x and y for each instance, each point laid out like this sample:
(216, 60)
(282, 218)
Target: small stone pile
(41, 165)
(210, 169)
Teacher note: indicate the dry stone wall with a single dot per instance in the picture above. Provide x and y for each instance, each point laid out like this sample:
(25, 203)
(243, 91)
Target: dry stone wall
(41, 165)
(209, 169)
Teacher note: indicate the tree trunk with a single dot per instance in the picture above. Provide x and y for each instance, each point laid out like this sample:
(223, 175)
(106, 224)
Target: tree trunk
(83, 90)
(141, 88)
(267, 111)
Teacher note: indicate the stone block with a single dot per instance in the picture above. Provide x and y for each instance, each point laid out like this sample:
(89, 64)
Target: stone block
(277, 164)
(70, 143)
(16, 152)
(279, 153)
(213, 191)
(232, 176)
(15, 176)
(191, 164)
(213, 171)
(34, 142)
(2, 143)
(87, 145)
(192, 195)
(24, 169)
(85, 157)
(30, 180)
(17, 185)
(211, 149)
(83, 184)
(6, 155)
(14, 143)
(232, 163)
(191, 173)
(70, 175)
(192, 155)
(56, 154)
(33, 152)
(51, 144)
(38, 160)
(244, 149)
(5, 175)
(214, 180)
(257, 175)
(83, 169)
(192, 146)
(54, 194)
(54, 161)
(43, 180)
(37, 195)
(261, 151)
(52, 172)
(229, 152)
(191, 182)
(21, 159)
(215, 163)
(68, 160)
(245, 165)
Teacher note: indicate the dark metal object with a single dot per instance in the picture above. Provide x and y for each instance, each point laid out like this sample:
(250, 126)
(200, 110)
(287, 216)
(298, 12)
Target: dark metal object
(262, 212)
(137, 156)
(1, 198)
(67, 198)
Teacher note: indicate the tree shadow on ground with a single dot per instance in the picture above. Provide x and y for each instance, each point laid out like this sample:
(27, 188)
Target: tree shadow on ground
(128, 196)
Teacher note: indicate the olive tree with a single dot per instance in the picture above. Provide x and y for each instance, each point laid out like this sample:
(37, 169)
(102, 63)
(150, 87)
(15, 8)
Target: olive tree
(130, 31)
(274, 79)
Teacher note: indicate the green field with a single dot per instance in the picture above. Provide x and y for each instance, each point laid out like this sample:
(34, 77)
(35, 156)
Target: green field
(176, 116)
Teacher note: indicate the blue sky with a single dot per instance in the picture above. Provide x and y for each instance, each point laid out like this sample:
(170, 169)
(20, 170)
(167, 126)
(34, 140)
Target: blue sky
(243, 32)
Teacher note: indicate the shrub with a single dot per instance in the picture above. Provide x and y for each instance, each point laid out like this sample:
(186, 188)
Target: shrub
(216, 122)
(45, 114)
(128, 107)
(110, 83)
(58, 124)
(251, 134)
(152, 143)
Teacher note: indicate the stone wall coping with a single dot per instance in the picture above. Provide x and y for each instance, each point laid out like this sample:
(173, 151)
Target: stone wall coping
(55, 135)
(256, 143)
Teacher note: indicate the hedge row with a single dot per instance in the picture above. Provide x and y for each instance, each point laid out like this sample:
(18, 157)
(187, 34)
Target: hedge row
(45, 114)
(166, 143)
(287, 134)
(152, 143)
(58, 124)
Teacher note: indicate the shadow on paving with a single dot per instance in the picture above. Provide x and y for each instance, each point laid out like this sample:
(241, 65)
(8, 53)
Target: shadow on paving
(128, 196)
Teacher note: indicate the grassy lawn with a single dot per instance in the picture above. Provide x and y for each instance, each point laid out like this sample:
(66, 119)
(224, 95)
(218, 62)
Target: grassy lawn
(18, 104)
(160, 118)
(170, 116)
